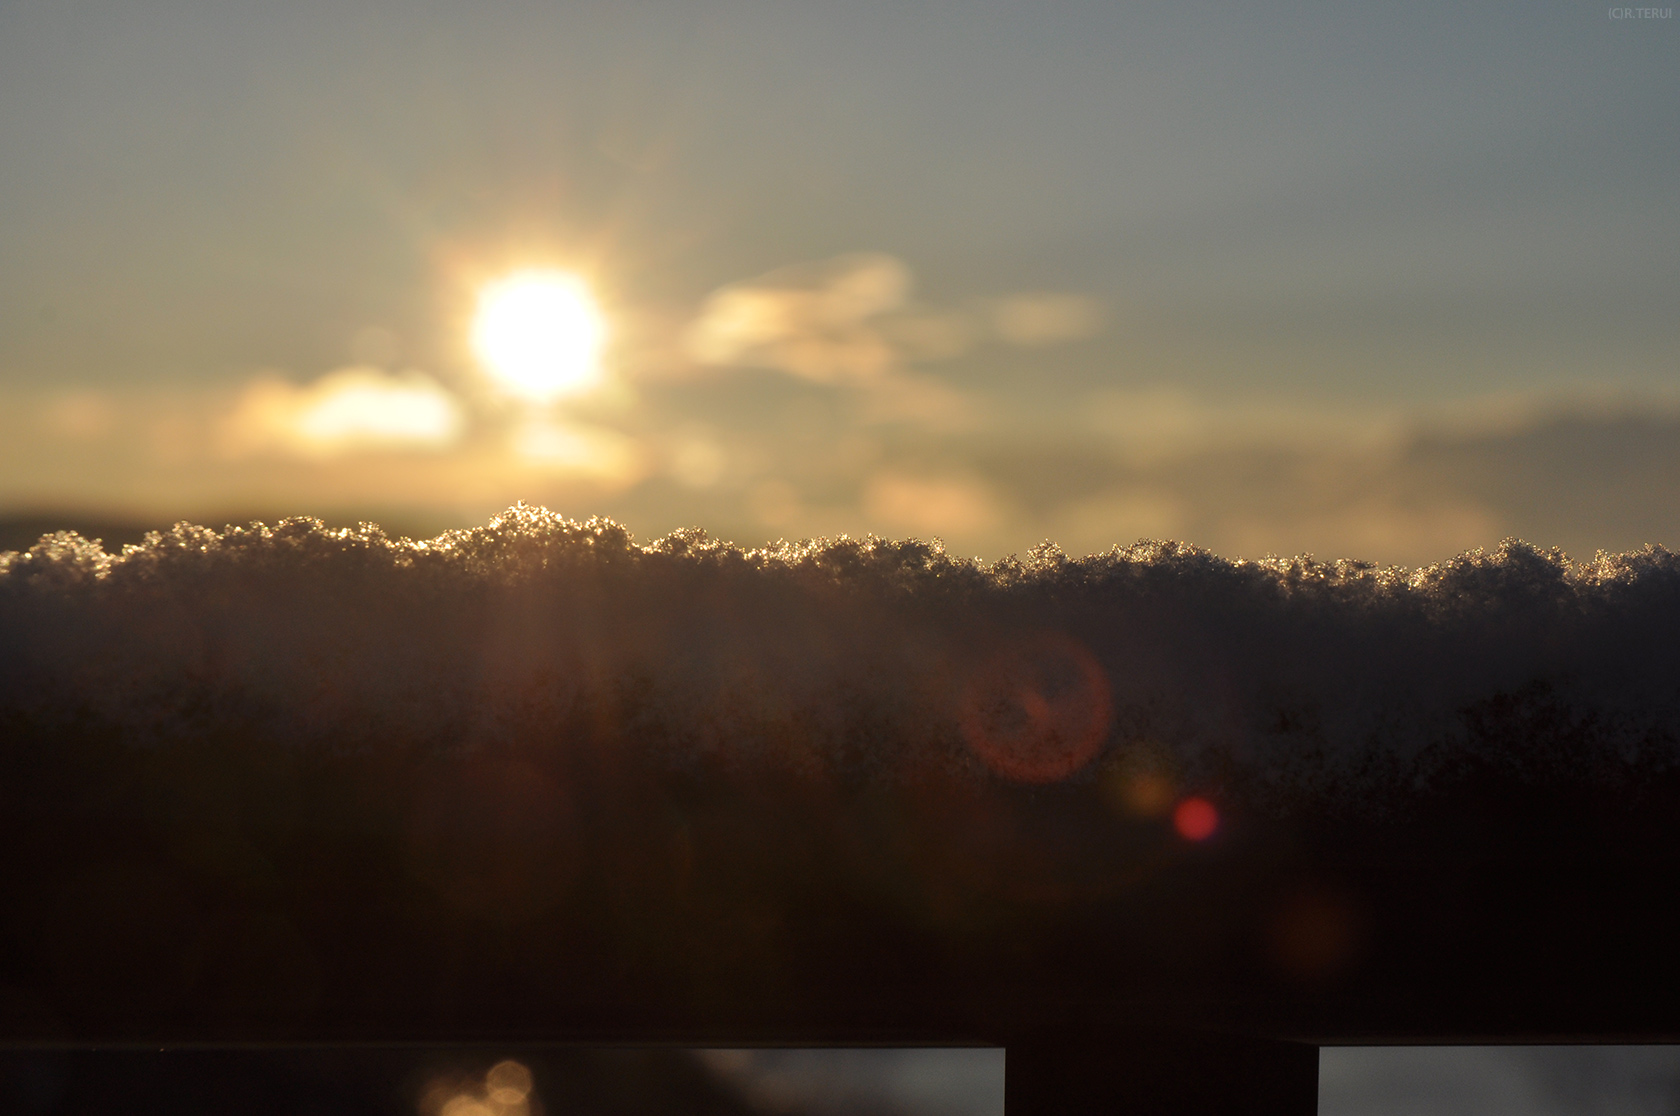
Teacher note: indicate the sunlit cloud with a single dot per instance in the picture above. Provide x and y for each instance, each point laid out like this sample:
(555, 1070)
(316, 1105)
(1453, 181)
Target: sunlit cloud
(1036, 319)
(851, 320)
(929, 505)
(696, 460)
(1158, 424)
(1372, 526)
(815, 321)
(80, 415)
(575, 449)
(775, 503)
(932, 335)
(1124, 515)
(348, 410)
(921, 401)
(909, 454)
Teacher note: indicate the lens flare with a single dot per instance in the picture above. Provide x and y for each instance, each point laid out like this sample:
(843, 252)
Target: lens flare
(539, 334)
(1196, 819)
(1039, 711)
(508, 1083)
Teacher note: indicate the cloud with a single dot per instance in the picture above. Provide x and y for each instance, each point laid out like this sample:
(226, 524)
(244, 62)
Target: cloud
(1092, 524)
(1369, 526)
(931, 335)
(774, 503)
(696, 460)
(815, 321)
(81, 416)
(922, 401)
(929, 505)
(348, 410)
(580, 450)
(1037, 319)
(909, 453)
(850, 320)
(1161, 423)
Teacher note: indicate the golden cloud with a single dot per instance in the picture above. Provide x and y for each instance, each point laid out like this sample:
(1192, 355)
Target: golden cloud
(348, 410)
(849, 319)
(1032, 320)
(815, 321)
(594, 453)
(929, 504)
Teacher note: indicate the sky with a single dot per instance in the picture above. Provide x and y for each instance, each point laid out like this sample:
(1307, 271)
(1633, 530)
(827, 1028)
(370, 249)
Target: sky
(1268, 278)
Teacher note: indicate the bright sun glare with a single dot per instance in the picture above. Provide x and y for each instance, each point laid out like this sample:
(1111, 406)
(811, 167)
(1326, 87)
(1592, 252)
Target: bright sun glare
(539, 333)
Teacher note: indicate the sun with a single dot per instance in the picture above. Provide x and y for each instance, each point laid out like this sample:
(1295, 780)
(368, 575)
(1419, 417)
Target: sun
(539, 334)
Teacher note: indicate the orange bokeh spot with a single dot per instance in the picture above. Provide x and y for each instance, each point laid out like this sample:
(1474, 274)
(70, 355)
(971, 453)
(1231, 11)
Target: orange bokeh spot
(1145, 794)
(1195, 819)
(1039, 711)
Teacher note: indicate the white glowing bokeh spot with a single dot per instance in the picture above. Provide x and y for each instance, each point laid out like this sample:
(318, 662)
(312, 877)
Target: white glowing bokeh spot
(539, 334)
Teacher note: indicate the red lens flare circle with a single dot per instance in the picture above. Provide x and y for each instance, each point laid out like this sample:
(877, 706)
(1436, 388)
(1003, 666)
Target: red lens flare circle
(1196, 819)
(1039, 711)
